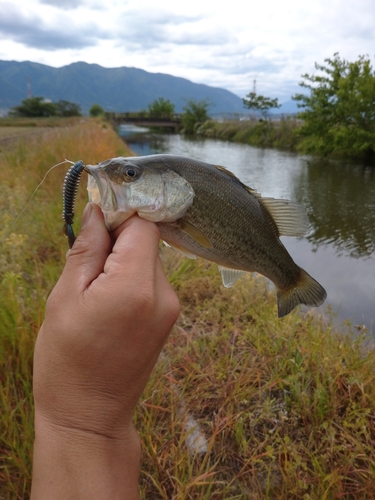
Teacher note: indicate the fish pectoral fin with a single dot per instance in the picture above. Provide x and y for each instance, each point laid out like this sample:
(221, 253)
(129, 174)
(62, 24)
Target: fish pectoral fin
(181, 250)
(230, 276)
(289, 217)
(194, 233)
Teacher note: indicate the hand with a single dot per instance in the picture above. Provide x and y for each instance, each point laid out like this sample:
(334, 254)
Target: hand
(106, 321)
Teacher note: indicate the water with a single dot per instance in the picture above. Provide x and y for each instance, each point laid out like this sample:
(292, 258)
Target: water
(339, 196)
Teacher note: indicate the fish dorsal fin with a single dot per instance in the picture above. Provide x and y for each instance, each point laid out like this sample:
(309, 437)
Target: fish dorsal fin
(252, 191)
(230, 276)
(228, 172)
(194, 233)
(181, 250)
(289, 217)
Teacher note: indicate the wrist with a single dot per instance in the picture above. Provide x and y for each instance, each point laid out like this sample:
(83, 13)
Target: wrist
(76, 463)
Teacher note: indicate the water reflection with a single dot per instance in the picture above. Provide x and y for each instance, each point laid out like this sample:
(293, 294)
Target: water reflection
(143, 147)
(340, 199)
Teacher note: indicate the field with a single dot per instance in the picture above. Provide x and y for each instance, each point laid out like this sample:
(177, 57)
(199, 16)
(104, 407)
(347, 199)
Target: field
(285, 408)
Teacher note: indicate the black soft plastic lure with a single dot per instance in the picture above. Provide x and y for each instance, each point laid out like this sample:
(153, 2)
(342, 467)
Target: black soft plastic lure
(70, 188)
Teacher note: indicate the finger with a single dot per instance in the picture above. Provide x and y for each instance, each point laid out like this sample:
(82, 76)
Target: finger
(136, 223)
(168, 294)
(136, 246)
(86, 259)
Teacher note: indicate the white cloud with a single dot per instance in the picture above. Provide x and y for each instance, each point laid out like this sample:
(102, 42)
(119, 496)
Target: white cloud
(224, 45)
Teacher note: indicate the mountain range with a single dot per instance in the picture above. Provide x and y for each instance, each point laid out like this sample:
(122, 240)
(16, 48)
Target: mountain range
(115, 89)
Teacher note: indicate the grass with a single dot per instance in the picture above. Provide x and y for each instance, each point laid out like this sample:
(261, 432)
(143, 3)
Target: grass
(51, 121)
(287, 406)
(262, 133)
(13, 129)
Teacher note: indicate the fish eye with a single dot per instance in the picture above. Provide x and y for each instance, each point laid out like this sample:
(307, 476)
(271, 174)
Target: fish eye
(130, 172)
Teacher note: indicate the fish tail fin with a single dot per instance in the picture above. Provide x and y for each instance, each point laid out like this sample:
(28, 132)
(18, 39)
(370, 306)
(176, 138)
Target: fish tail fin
(306, 291)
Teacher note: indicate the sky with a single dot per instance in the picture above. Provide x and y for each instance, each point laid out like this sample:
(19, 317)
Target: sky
(222, 44)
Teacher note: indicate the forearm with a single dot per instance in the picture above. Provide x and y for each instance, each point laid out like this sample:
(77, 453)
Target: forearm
(75, 464)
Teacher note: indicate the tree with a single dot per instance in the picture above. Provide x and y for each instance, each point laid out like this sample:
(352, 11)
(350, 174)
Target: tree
(161, 108)
(195, 114)
(339, 112)
(66, 108)
(38, 106)
(96, 110)
(34, 106)
(260, 103)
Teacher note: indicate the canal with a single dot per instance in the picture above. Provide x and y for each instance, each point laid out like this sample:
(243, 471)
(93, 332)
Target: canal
(338, 195)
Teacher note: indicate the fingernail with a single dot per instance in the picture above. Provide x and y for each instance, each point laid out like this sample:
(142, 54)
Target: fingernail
(86, 215)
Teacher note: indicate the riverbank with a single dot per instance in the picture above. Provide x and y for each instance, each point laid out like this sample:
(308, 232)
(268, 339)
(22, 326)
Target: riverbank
(285, 407)
(281, 134)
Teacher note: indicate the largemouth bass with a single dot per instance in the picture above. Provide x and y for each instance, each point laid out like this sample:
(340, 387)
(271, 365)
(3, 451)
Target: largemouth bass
(204, 210)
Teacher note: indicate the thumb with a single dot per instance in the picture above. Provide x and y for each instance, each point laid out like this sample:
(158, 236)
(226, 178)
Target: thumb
(85, 261)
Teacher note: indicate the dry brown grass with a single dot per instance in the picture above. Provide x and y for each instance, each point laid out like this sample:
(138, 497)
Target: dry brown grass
(287, 406)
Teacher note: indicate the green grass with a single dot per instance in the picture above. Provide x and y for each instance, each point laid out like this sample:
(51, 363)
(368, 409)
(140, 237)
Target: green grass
(287, 406)
(262, 133)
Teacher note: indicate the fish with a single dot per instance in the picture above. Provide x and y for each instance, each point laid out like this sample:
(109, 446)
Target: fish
(204, 210)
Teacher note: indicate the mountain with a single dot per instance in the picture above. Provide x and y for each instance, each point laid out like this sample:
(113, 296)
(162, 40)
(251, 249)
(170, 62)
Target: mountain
(115, 89)
(288, 108)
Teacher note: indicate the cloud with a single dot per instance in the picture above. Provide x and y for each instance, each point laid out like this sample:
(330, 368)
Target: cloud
(65, 4)
(30, 29)
(157, 16)
(146, 27)
(206, 42)
(77, 4)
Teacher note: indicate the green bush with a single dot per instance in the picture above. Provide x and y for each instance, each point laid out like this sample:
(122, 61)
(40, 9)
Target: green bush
(195, 114)
(339, 112)
(96, 110)
(161, 108)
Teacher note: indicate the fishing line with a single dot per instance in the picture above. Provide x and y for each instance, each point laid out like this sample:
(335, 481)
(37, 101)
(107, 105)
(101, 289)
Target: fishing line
(35, 190)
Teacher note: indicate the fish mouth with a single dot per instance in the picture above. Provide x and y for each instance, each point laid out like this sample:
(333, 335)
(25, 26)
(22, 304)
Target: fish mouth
(94, 185)
(100, 190)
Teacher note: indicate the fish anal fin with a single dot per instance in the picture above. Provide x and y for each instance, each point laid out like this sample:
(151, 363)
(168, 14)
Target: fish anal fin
(230, 276)
(289, 217)
(194, 233)
(306, 291)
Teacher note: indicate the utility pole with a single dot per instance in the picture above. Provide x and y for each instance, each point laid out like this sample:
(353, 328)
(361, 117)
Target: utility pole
(254, 86)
